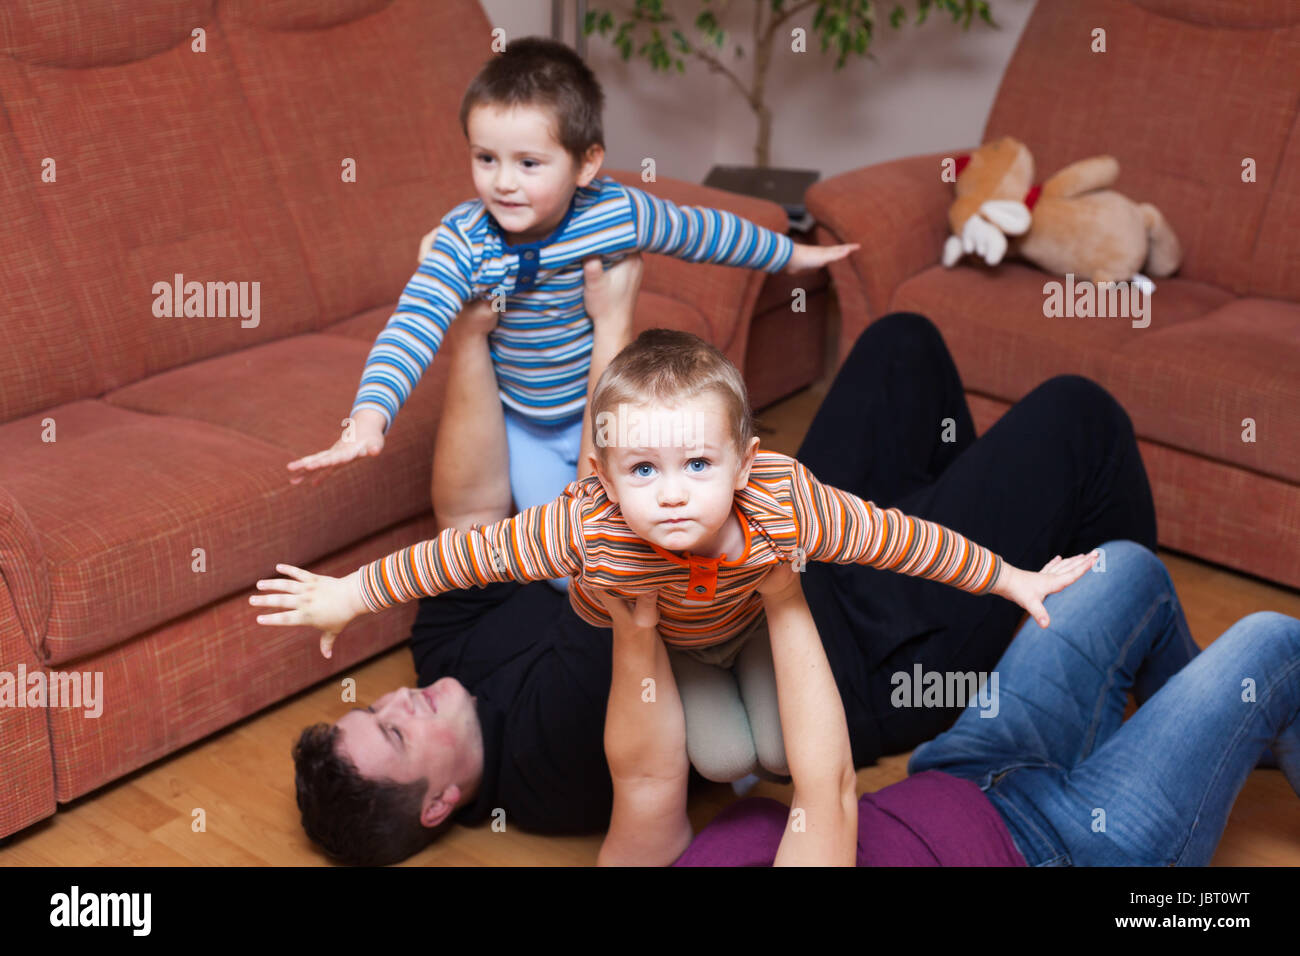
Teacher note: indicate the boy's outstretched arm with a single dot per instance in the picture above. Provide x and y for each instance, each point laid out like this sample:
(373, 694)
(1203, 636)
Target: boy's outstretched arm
(645, 742)
(822, 828)
(402, 352)
(704, 234)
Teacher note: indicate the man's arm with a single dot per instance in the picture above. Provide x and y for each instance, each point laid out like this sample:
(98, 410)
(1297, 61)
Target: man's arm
(609, 296)
(645, 743)
(822, 829)
(702, 234)
(403, 350)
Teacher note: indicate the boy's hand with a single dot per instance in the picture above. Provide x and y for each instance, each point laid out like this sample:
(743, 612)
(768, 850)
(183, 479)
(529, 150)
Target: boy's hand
(314, 600)
(814, 257)
(365, 437)
(1028, 589)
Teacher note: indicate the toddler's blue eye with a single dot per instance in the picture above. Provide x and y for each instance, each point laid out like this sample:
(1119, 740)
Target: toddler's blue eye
(703, 462)
(636, 469)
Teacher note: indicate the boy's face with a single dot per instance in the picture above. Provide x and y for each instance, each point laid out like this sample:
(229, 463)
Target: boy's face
(674, 471)
(521, 172)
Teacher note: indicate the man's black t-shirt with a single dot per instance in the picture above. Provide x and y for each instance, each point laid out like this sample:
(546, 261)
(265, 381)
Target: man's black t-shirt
(541, 675)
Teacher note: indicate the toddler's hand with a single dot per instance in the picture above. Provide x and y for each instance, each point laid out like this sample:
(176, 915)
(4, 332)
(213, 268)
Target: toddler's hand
(814, 257)
(365, 437)
(1028, 589)
(314, 600)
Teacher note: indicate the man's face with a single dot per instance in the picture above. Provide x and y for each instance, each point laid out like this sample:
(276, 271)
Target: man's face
(521, 172)
(412, 733)
(674, 471)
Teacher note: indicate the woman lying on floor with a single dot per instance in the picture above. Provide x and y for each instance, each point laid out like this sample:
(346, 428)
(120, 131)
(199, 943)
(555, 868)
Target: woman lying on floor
(1050, 776)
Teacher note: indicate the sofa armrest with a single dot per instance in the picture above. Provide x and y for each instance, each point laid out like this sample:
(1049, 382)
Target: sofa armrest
(898, 212)
(725, 295)
(24, 569)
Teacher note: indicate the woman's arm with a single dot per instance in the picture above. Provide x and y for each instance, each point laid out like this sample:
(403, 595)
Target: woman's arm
(610, 299)
(822, 829)
(645, 743)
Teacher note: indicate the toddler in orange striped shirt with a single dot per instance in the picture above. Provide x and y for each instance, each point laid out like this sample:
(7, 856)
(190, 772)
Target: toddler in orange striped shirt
(684, 504)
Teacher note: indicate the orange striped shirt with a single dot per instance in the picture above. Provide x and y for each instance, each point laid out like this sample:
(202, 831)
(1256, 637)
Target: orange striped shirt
(786, 514)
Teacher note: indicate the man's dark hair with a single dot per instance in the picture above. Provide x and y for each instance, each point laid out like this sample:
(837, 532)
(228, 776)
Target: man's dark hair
(536, 71)
(356, 820)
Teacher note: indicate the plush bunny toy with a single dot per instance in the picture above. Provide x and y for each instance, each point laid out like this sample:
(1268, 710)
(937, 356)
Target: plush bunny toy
(1072, 224)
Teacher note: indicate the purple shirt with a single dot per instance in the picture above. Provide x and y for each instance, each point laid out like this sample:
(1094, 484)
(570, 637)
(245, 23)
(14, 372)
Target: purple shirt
(929, 819)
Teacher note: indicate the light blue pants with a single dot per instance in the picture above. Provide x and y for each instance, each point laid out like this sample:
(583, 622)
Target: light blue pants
(543, 461)
(1079, 785)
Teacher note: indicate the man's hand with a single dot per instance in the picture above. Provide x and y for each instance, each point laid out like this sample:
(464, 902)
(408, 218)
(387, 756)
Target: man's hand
(609, 295)
(364, 435)
(314, 600)
(807, 257)
(426, 244)
(1028, 589)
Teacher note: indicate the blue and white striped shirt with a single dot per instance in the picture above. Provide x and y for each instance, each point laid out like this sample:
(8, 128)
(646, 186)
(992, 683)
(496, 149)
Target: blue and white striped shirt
(541, 347)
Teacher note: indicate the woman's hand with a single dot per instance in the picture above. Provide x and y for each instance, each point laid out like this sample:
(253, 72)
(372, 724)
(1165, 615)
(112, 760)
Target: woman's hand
(1028, 589)
(779, 584)
(314, 600)
(643, 616)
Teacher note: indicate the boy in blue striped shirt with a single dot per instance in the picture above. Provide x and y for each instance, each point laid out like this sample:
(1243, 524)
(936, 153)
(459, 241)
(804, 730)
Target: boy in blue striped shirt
(533, 120)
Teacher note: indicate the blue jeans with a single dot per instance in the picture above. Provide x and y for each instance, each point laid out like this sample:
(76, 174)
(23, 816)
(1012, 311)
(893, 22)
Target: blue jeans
(1078, 785)
(543, 461)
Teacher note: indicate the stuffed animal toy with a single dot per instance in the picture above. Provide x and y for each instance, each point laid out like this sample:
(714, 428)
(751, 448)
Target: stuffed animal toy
(1072, 224)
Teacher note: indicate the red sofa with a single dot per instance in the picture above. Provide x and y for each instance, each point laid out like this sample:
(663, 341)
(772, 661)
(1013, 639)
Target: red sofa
(143, 487)
(1186, 91)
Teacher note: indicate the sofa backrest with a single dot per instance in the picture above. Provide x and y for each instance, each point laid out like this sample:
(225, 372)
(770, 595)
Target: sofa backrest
(1185, 93)
(129, 156)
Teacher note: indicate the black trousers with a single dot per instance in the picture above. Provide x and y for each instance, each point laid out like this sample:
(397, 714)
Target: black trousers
(1059, 473)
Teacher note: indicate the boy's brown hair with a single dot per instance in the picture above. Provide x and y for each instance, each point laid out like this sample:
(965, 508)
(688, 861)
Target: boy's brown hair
(664, 366)
(536, 71)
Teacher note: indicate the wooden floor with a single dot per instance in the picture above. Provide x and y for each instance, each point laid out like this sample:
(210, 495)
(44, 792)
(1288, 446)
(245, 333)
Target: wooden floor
(243, 777)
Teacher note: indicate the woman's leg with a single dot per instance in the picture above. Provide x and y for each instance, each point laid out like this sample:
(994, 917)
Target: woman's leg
(1058, 474)
(895, 417)
(1062, 691)
(1167, 779)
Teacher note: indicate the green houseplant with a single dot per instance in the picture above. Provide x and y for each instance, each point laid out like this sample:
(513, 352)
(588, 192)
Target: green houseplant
(664, 38)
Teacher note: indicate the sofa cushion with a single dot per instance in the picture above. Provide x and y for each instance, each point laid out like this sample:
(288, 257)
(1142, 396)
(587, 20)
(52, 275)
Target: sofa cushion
(1180, 105)
(1191, 386)
(652, 312)
(378, 83)
(195, 458)
(45, 359)
(1004, 346)
(159, 173)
